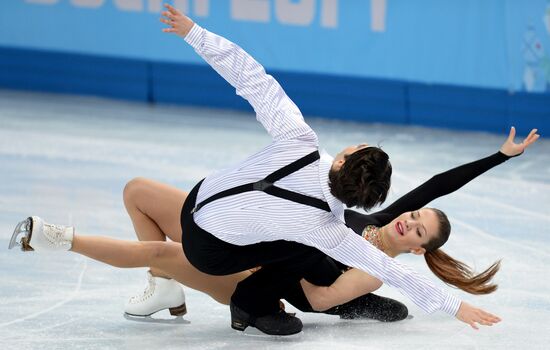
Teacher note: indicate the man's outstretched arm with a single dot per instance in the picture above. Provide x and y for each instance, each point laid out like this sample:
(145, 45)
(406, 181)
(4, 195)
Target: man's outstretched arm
(274, 109)
(342, 244)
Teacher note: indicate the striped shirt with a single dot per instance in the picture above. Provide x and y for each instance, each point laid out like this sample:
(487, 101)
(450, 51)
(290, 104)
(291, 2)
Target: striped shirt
(255, 216)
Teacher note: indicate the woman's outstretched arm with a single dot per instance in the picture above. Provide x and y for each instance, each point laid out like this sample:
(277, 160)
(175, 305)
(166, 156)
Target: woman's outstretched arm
(441, 184)
(452, 180)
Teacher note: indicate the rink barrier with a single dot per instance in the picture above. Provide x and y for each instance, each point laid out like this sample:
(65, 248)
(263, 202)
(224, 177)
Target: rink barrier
(329, 96)
(74, 73)
(320, 95)
(458, 107)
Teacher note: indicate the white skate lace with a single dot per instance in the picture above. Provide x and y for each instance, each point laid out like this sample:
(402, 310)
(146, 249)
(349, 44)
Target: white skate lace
(147, 293)
(55, 234)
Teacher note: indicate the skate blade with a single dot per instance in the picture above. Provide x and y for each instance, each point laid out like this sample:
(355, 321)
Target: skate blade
(367, 320)
(150, 319)
(23, 228)
(253, 332)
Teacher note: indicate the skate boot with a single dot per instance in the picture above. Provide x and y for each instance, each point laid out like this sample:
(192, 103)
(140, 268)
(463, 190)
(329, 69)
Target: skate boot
(160, 293)
(280, 323)
(371, 306)
(35, 234)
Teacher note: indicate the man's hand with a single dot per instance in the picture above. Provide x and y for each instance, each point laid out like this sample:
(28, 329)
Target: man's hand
(512, 149)
(177, 21)
(472, 316)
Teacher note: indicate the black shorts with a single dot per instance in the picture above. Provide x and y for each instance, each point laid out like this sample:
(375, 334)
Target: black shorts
(216, 257)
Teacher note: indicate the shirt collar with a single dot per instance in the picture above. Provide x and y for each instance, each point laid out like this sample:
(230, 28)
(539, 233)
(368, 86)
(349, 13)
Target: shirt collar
(325, 163)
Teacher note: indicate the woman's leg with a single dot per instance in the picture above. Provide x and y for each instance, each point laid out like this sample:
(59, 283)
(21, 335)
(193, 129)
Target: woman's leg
(166, 257)
(155, 210)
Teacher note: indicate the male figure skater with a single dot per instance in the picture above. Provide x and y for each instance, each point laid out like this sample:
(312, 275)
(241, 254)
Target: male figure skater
(254, 213)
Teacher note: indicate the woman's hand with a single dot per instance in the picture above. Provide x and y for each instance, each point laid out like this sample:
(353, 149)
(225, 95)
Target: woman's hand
(473, 316)
(178, 22)
(512, 149)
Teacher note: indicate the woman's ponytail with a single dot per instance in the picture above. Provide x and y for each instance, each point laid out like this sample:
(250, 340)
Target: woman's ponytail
(452, 271)
(460, 275)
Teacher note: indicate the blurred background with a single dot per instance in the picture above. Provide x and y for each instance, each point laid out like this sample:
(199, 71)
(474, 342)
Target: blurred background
(464, 64)
(93, 93)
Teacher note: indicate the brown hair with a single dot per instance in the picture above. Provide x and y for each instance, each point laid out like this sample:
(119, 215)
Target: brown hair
(363, 180)
(452, 271)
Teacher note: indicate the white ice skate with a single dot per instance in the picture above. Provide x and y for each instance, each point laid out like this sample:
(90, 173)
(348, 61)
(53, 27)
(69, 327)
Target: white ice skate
(35, 234)
(160, 294)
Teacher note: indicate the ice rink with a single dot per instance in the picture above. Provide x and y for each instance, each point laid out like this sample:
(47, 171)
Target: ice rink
(67, 159)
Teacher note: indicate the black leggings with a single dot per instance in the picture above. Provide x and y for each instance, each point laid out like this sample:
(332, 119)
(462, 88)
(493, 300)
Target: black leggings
(283, 263)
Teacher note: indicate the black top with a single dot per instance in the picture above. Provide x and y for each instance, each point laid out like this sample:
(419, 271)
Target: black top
(328, 270)
(438, 186)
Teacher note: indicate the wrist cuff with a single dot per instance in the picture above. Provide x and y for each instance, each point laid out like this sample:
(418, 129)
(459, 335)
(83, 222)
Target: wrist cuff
(195, 36)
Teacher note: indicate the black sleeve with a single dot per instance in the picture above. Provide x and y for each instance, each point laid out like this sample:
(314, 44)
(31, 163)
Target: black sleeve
(438, 186)
(443, 184)
(358, 221)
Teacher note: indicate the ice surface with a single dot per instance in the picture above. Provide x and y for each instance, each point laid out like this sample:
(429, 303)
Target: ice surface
(68, 158)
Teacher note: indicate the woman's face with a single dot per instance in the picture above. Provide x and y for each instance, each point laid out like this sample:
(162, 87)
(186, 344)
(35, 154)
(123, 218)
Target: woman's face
(410, 230)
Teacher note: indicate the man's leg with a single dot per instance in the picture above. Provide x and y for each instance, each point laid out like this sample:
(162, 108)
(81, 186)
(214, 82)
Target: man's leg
(256, 299)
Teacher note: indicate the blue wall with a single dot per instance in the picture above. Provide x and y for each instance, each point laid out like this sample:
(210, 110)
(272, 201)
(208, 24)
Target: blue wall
(457, 63)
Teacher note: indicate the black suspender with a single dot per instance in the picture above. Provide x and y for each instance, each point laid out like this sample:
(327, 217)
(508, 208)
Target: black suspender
(266, 185)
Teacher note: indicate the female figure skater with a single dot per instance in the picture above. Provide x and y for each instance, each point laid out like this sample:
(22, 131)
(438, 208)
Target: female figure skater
(352, 249)
(402, 227)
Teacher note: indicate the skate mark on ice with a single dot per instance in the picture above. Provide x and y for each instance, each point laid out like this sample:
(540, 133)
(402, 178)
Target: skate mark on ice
(494, 203)
(480, 232)
(38, 331)
(53, 307)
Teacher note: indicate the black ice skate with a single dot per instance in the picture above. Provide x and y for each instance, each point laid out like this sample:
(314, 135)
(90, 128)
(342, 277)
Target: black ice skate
(280, 323)
(371, 306)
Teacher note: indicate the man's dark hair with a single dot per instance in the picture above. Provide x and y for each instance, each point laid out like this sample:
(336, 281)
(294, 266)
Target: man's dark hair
(363, 180)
